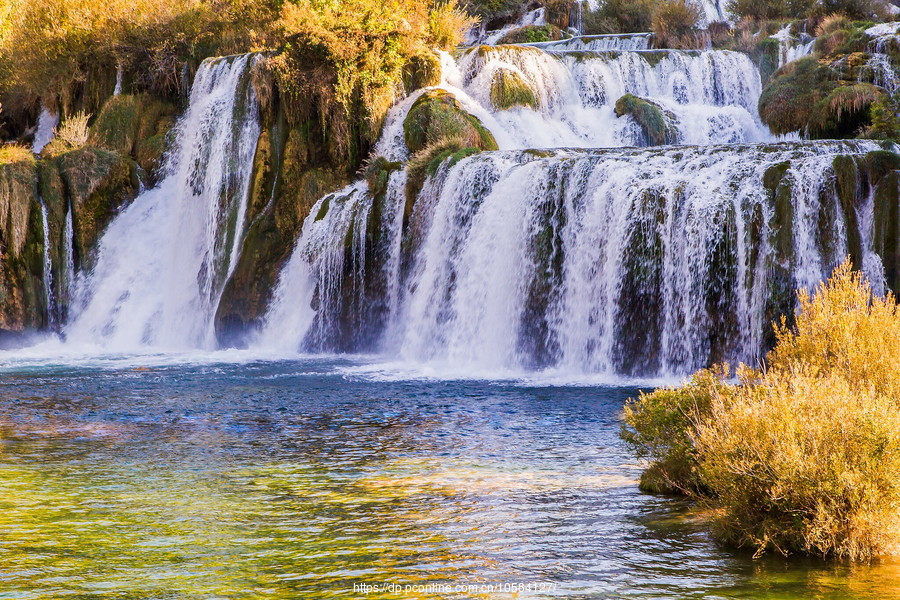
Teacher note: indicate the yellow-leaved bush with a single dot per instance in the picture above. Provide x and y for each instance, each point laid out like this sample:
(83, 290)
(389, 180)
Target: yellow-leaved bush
(801, 457)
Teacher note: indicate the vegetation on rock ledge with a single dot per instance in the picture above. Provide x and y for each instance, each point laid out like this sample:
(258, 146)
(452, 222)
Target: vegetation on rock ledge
(801, 457)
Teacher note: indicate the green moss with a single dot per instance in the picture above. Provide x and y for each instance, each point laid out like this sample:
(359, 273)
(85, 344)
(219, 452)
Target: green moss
(98, 183)
(437, 115)
(509, 90)
(766, 54)
(423, 70)
(655, 123)
(116, 127)
(377, 174)
(533, 33)
(21, 238)
(426, 163)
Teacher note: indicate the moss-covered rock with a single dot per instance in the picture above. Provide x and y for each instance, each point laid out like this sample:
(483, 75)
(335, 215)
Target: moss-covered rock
(509, 90)
(787, 102)
(533, 33)
(21, 245)
(290, 173)
(378, 172)
(115, 128)
(437, 115)
(655, 122)
(135, 126)
(98, 183)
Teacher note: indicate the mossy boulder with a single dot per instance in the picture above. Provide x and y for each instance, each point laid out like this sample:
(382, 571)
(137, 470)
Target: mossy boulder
(98, 183)
(378, 172)
(509, 90)
(135, 126)
(115, 128)
(437, 115)
(811, 97)
(533, 33)
(787, 101)
(655, 122)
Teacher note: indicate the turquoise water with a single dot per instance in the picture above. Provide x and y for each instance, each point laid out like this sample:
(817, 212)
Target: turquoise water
(323, 478)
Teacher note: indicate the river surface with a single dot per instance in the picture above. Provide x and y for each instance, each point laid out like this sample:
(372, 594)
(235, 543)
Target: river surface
(326, 477)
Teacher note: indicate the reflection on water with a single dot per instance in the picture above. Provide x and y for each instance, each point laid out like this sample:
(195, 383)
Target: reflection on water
(286, 480)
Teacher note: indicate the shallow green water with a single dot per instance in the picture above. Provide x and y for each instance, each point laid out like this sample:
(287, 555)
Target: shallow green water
(302, 480)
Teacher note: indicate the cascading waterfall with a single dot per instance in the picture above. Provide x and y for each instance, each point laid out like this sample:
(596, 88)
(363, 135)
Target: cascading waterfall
(879, 65)
(599, 43)
(68, 272)
(162, 263)
(791, 48)
(46, 127)
(711, 96)
(636, 262)
(47, 280)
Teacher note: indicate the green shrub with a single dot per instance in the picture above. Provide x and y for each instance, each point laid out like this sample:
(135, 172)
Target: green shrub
(658, 426)
(447, 25)
(804, 457)
(674, 22)
(765, 10)
(620, 16)
(531, 34)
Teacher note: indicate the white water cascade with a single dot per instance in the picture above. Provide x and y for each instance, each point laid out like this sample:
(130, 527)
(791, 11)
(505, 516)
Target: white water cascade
(163, 261)
(879, 65)
(46, 128)
(790, 47)
(711, 96)
(609, 261)
(47, 279)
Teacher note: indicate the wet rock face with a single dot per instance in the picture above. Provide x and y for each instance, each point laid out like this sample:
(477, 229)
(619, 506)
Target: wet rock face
(21, 248)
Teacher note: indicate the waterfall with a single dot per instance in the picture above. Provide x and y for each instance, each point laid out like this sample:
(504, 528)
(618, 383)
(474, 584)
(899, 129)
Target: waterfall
(599, 43)
(711, 96)
(635, 262)
(879, 65)
(119, 74)
(162, 263)
(46, 127)
(47, 279)
(68, 274)
(791, 48)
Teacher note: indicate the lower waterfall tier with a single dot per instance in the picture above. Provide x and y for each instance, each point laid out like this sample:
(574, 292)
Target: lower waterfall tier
(633, 262)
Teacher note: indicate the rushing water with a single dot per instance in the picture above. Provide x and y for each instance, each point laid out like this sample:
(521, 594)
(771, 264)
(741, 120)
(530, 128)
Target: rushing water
(301, 479)
(163, 262)
(586, 262)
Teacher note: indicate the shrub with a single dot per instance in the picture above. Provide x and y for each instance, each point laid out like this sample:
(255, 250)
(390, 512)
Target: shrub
(766, 10)
(804, 457)
(620, 16)
(673, 23)
(447, 25)
(531, 34)
(73, 132)
(658, 427)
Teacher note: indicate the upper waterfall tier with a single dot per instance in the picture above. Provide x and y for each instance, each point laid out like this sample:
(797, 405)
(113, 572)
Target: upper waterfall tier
(635, 262)
(163, 261)
(707, 97)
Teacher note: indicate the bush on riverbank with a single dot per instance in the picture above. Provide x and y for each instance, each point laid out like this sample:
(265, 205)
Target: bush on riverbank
(805, 456)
